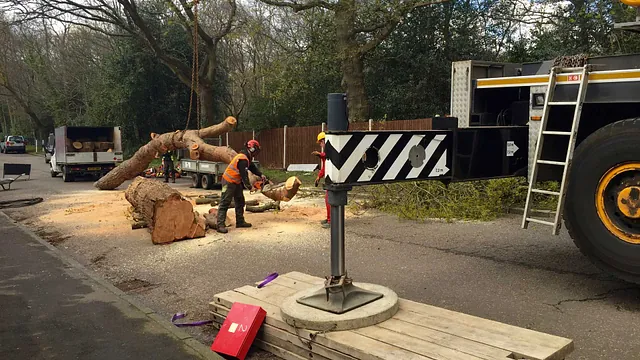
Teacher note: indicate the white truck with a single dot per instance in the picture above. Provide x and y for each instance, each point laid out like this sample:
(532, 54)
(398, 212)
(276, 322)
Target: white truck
(85, 151)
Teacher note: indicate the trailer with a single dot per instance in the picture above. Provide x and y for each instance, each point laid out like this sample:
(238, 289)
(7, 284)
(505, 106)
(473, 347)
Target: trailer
(85, 151)
(204, 174)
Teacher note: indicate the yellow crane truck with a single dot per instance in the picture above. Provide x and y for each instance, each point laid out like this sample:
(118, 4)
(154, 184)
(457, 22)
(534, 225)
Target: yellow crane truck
(583, 118)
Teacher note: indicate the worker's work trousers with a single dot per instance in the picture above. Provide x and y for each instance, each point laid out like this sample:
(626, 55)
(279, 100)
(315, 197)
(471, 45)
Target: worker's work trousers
(326, 202)
(169, 169)
(231, 192)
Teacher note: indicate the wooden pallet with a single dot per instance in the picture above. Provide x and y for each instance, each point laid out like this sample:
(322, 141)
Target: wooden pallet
(417, 331)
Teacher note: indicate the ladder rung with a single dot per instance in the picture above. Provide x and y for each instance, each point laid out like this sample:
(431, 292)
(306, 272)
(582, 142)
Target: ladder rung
(541, 221)
(567, 133)
(549, 162)
(546, 192)
(566, 103)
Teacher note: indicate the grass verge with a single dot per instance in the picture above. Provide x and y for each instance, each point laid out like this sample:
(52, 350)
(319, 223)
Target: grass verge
(474, 200)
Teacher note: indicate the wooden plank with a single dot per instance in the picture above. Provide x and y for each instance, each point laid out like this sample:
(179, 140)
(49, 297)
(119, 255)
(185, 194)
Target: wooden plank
(523, 342)
(347, 342)
(412, 344)
(287, 346)
(293, 339)
(277, 351)
(273, 294)
(304, 278)
(478, 349)
(452, 330)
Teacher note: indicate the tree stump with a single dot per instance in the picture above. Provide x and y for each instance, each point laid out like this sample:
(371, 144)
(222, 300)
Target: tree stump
(169, 216)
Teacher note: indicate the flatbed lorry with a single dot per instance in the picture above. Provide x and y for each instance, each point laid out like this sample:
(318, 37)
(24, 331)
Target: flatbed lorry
(85, 151)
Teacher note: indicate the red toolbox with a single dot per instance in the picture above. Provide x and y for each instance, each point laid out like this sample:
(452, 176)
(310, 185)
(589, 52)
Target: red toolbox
(239, 330)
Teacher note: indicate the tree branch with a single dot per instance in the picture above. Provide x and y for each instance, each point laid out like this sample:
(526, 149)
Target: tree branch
(203, 34)
(385, 29)
(300, 7)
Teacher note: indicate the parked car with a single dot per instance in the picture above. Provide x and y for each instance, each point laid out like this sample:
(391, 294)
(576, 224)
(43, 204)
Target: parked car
(13, 143)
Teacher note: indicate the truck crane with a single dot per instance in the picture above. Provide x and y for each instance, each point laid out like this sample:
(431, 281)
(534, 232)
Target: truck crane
(573, 119)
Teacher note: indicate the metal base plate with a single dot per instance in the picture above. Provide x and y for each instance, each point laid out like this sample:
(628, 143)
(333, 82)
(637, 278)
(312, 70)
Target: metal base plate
(339, 302)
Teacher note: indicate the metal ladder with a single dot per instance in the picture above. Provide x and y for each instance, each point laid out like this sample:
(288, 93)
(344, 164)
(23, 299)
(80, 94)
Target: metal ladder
(548, 103)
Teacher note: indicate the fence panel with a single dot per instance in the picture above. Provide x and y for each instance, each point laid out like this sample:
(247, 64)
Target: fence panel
(301, 141)
(272, 143)
(237, 139)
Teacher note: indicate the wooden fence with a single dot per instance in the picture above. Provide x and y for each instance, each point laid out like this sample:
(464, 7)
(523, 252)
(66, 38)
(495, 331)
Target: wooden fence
(293, 145)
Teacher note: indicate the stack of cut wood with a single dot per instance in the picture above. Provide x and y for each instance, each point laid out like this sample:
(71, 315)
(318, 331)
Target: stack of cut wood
(86, 145)
(417, 331)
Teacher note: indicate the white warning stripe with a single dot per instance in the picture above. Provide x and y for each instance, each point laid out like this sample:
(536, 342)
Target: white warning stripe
(428, 153)
(383, 152)
(402, 158)
(355, 157)
(337, 141)
(441, 167)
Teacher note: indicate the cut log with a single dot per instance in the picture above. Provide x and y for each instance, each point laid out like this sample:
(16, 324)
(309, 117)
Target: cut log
(272, 205)
(169, 216)
(211, 221)
(204, 200)
(139, 225)
(77, 145)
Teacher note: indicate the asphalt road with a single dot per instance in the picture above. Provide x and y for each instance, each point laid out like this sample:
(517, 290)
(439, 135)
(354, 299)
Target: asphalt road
(51, 309)
(495, 270)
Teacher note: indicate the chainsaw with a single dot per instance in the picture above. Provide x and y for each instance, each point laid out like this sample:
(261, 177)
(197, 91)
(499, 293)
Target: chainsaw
(260, 186)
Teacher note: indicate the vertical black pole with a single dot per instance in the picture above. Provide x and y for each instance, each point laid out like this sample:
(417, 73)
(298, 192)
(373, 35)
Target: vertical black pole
(337, 120)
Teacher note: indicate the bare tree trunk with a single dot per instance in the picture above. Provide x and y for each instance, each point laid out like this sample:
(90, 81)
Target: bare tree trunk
(351, 62)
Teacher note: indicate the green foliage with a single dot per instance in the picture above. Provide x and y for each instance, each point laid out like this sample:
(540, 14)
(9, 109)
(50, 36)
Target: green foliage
(474, 200)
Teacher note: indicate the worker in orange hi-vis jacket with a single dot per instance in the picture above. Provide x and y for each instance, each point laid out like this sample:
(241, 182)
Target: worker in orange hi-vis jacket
(325, 223)
(234, 180)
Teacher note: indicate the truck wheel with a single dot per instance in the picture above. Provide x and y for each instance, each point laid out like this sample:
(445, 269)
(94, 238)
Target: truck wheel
(602, 207)
(66, 177)
(207, 181)
(195, 181)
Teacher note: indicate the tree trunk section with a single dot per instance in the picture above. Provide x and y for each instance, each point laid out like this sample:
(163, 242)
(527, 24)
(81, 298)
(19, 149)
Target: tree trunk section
(160, 144)
(351, 62)
(169, 216)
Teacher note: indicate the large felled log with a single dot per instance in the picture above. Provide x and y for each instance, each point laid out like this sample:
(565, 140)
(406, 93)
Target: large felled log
(168, 215)
(198, 150)
(160, 144)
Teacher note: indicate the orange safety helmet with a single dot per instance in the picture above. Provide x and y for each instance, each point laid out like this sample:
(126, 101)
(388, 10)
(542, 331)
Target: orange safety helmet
(253, 146)
(635, 3)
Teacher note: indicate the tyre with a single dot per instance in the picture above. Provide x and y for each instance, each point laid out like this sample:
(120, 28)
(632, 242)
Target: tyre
(207, 181)
(66, 177)
(195, 181)
(602, 207)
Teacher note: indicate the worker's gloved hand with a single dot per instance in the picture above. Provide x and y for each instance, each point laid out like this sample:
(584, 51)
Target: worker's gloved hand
(317, 182)
(315, 153)
(264, 180)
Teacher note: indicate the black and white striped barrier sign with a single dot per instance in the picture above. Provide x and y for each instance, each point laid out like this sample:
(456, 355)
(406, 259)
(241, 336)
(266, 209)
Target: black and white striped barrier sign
(370, 157)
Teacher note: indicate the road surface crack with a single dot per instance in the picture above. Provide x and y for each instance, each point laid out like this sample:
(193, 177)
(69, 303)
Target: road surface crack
(596, 297)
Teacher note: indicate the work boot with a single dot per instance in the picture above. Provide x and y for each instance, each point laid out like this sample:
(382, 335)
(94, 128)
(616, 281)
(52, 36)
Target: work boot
(243, 224)
(326, 225)
(325, 221)
(222, 229)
